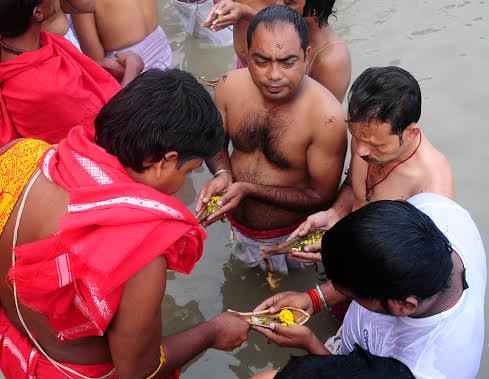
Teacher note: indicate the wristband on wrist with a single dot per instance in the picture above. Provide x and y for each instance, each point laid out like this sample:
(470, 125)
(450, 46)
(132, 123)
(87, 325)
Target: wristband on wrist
(223, 170)
(316, 301)
(323, 299)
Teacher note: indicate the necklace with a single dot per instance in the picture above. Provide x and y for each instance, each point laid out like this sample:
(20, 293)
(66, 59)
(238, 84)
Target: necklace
(11, 50)
(14, 50)
(368, 190)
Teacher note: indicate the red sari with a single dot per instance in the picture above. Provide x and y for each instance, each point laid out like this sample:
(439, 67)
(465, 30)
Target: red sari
(45, 93)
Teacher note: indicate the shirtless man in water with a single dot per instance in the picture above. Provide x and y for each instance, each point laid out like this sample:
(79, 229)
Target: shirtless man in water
(330, 62)
(122, 25)
(391, 158)
(288, 134)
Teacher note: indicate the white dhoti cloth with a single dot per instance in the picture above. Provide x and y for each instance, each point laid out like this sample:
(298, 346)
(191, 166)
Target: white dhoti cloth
(154, 50)
(249, 253)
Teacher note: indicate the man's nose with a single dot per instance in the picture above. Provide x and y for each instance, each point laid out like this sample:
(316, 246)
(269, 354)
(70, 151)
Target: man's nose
(274, 73)
(363, 149)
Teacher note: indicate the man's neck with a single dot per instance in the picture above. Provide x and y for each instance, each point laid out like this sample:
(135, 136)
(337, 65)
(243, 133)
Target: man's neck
(409, 153)
(29, 41)
(446, 299)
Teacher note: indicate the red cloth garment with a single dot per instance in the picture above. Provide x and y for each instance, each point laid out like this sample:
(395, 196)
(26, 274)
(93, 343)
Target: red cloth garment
(262, 234)
(19, 359)
(113, 229)
(45, 93)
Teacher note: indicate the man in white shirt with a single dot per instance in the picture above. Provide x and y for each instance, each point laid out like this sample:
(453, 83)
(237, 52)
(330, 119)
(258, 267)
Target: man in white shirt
(417, 273)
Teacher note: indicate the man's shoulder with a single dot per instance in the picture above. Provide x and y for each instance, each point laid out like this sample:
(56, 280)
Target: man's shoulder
(323, 109)
(233, 80)
(324, 100)
(438, 174)
(236, 75)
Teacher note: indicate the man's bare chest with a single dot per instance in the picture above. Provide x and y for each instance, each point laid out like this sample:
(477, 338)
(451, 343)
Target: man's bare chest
(275, 135)
(376, 183)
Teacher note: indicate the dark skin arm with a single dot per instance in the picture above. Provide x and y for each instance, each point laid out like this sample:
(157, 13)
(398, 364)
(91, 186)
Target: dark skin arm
(342, 206)
(230, 13)
(135, 332)
(301, 300)
(298, 336)
(77, 6)
(220, 161)
(86, 31)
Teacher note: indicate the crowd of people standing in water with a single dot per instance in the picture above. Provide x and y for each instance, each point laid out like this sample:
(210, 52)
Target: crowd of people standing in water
(98, 131)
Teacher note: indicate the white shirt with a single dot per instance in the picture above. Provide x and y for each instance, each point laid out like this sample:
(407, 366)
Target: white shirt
(447, 345)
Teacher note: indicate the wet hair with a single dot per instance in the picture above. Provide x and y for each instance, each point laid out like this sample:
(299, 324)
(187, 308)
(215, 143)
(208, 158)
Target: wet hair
(16, 16)
(321, 9)
(388, 250)
(160, 111)
(279, 14)
(387, 95)
(359, 364)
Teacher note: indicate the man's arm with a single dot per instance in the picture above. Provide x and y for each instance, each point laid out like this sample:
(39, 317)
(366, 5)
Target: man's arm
(301, 300)
(77, 6)
(135, 332)
(343, 204)
(86, 31)
(226, 13)
(221, 162)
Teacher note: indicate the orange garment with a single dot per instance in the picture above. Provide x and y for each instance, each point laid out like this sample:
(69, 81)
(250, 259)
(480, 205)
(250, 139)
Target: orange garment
(17, 164)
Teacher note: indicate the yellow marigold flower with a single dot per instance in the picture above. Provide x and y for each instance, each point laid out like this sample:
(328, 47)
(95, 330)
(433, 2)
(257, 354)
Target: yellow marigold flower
(286, 317)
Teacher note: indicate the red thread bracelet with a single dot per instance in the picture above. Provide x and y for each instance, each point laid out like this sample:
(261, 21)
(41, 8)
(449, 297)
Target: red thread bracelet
(316, 301)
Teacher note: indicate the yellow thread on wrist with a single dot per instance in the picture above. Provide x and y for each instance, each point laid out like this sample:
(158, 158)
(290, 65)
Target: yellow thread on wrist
(223, 170)
(162, 362)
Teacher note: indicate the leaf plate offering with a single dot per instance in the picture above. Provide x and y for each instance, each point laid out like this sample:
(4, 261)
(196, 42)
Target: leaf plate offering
(295, 245)
(287, 316)
(210, 208)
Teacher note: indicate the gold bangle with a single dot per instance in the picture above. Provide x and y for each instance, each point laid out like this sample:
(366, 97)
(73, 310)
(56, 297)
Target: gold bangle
(223, 170)
(162, 362)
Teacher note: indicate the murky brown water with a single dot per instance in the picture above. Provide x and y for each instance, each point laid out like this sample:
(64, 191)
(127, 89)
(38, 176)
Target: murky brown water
(445, 44)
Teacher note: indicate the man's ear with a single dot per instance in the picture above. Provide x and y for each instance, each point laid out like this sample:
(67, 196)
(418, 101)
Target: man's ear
(171, 156)
(404, 307)
(411, 132)
(37, 15)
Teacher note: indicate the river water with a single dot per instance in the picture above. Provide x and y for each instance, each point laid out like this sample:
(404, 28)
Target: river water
(445, 45)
